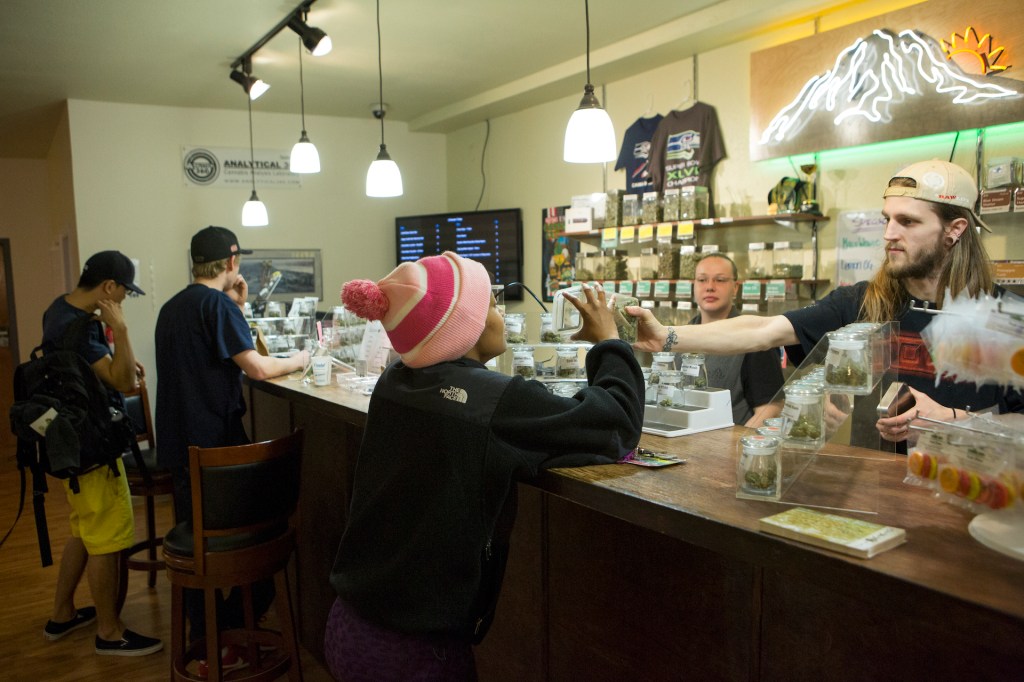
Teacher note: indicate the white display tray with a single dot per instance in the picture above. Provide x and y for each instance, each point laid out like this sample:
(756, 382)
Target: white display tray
(1002, 531)
(703, 410)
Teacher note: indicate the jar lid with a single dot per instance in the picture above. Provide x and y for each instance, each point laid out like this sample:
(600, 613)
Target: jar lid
(766, 430)
(759, 445)
(804, 393)
(522, 349)
(566, 349)
(847, 340)
(692, 357)
(664, 357)
(773, 421)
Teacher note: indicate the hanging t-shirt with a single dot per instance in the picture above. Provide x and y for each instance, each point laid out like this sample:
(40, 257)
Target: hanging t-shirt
(685, 149)
(635, 154)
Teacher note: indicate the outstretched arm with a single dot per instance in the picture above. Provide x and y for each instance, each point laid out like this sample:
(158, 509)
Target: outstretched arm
(743, 334)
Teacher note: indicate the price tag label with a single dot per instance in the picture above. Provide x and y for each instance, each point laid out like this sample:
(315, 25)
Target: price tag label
(609, 237)
(627, 235)
(684, 230)
(645, 233)
(664, 231)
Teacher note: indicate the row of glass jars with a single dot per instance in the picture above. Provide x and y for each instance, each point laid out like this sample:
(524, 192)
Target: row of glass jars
(516, 330)
(567, 362)
(664, 378)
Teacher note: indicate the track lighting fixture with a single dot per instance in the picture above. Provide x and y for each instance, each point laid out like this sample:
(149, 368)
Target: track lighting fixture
(590, 136)
(316, 41)
(383, 179)
(254, 87)
(254, 212)
(305, 158)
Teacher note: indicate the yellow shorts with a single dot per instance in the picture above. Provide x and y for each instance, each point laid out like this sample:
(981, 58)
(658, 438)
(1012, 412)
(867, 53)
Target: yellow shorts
(101, 512)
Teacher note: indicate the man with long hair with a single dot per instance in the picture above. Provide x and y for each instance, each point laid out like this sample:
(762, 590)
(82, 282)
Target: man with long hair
(933, 244)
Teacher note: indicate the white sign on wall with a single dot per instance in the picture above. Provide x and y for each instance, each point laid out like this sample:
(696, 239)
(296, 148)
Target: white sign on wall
(230, 167)
(860, 246)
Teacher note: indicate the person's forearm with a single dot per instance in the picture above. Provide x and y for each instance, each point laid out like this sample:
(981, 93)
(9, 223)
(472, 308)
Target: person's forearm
(762, 412)
(743, 334)
(123, 371)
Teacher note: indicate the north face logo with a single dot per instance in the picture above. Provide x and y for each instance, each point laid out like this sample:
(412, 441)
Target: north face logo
(454, 393)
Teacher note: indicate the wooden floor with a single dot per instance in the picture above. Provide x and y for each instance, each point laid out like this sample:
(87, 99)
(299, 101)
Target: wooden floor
(26, 600)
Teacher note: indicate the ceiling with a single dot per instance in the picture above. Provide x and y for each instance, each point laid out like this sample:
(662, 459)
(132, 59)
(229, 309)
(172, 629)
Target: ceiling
(447, 63)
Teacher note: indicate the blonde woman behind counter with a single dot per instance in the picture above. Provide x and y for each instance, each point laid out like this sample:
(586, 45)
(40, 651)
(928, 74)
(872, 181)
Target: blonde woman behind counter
(933, 243)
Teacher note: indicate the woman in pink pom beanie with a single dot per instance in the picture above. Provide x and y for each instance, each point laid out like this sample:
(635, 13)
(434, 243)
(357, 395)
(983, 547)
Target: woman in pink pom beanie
(419, 568)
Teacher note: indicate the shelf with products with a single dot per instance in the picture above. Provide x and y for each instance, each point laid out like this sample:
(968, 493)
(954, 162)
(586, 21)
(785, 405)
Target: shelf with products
(686, 227)
(670, 251)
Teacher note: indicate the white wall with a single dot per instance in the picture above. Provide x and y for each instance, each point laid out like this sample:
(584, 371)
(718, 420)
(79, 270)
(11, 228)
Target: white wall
(524, 163)
(130, 195)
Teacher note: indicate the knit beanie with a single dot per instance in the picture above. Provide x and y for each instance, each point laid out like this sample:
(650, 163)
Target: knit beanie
(433, 310)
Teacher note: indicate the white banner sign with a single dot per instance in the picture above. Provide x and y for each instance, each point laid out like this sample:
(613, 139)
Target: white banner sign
(230, 167)
(860, 247)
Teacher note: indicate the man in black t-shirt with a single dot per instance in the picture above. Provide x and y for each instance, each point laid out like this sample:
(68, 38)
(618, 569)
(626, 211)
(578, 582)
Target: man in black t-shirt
(933, 244)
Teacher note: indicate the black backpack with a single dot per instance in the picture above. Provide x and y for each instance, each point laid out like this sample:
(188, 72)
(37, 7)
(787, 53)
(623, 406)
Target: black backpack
(65, 422)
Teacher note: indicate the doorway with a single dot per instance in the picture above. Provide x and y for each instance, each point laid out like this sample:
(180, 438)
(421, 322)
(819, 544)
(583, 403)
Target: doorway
(9, 357)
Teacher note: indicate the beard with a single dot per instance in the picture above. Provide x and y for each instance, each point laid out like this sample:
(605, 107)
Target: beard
(925, 264)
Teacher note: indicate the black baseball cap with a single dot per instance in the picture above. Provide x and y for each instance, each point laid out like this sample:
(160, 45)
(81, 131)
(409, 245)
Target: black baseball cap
(109, 265)
(215, 243)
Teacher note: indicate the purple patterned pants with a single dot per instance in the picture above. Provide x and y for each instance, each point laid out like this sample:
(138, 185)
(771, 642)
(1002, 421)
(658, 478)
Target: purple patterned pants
(358, 651)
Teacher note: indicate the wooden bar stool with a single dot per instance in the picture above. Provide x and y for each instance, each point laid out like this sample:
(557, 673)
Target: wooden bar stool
(242, 500)
(158, 482)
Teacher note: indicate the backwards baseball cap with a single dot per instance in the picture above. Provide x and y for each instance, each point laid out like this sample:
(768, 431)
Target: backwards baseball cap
(215, 243)
(433, 310)
(109, 265)
(940, 182)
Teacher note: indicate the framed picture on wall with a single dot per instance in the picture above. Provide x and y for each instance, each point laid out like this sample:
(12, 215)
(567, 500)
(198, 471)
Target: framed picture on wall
(301, 273)
(559, 252)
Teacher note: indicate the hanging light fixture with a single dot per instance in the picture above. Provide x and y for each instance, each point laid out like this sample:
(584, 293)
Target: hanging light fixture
(316, 41)
(383, 179)
(254, 212)
(304, 158)
(590, 136)
(254, 87)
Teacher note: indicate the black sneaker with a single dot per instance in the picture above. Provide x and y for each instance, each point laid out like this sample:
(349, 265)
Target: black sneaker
(54, 631)
(130, 644)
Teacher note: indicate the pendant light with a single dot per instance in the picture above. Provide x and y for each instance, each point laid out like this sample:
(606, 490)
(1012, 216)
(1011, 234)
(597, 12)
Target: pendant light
(383, 179)
(254, 212)
(590, 136)
(304, 158)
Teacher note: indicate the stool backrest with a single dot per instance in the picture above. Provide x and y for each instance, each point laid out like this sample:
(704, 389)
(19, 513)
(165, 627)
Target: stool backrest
(244, 489)
(136, 406)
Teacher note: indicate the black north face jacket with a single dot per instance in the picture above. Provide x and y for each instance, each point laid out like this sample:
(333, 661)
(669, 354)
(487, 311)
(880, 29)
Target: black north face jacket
(434, 494)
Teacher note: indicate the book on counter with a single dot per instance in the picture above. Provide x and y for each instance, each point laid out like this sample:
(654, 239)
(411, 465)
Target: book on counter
(839, 533)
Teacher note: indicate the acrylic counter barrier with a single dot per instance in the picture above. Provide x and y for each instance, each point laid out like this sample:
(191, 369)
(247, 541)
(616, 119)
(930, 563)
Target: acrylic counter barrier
(619, 572)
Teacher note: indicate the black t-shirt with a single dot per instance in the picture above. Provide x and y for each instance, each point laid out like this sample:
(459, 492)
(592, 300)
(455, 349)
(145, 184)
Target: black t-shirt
(635, 154)
(911, 359)
(199, 394)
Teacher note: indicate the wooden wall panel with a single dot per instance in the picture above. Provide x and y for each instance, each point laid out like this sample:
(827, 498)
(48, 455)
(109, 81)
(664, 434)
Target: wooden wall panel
(627, 603)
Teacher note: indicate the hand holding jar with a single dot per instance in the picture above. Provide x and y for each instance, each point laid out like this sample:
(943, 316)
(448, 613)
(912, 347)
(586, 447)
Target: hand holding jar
(598, 320)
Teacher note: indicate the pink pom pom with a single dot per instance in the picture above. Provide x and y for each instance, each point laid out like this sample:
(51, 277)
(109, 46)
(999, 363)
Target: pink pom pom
(365, 299)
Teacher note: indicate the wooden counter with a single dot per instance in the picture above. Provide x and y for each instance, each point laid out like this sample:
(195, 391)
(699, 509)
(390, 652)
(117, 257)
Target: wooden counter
(620, 572)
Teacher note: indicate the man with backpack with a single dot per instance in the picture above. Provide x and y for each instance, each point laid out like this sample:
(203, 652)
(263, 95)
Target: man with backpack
(102, 520)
